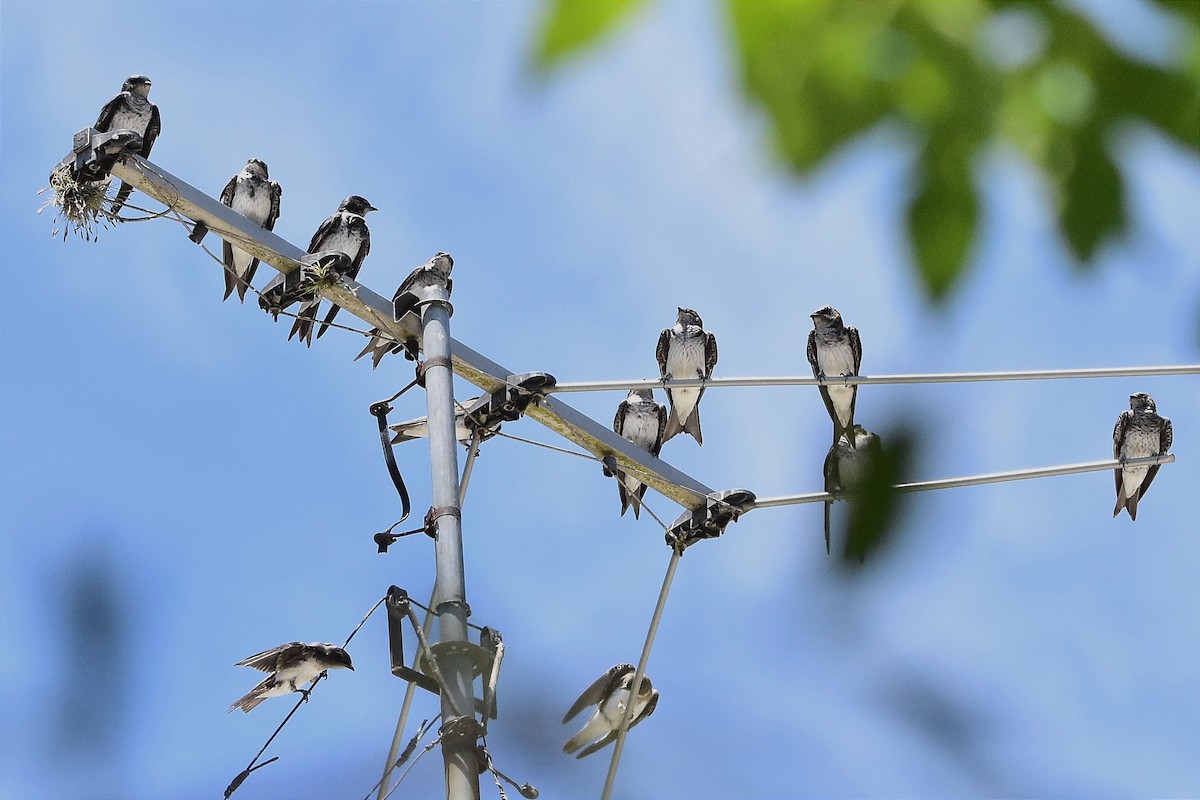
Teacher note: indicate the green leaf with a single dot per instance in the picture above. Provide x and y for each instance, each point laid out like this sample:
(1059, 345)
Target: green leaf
(571, 26)
(875, 507)
(1092, 197)
(944, 210)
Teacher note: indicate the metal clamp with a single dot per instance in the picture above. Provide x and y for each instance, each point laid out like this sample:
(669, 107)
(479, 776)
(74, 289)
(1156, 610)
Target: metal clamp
(93, 153)
(710, 520)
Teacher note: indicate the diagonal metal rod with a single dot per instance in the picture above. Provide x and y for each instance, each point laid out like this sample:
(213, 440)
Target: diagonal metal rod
(929, 377)
(377, 311)
(638, 674)
(972, 480)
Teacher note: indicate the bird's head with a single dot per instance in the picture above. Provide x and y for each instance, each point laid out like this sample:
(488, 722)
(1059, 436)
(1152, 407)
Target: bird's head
(442, 262)
(826, 315)
(339, 658)
(356, 205)
(1141, 401)
(137, 83)
(642, 395)
(257, 167)
(688, 317)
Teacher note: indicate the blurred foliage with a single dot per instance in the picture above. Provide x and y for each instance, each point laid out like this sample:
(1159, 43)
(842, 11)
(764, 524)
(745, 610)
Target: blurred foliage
(573, 24)
(961, 75)
(875, 506)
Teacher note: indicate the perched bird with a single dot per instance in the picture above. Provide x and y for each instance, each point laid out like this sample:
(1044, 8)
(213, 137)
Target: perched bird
(131, 110)
(290, 665)
(253, 195)
(846, 466)
(834, 349)
(610, 694)
(685, 351)
(642, 421)
(345, 232)
(1139, 433)
(435, 270)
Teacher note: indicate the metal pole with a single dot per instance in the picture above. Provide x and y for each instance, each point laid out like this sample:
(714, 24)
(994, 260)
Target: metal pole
(458, 742)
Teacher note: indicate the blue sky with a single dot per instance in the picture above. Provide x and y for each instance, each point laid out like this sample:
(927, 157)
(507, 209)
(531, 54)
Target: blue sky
(177, 459)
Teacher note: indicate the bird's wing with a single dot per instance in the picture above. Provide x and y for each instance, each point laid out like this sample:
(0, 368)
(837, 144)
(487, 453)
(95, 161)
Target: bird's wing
(855, 347)
(1118, 440)
(660, 352)
(812, 352)
(152, 131)
(1165, 435)
(710, 355)
(104, 121)
(276, 193)
(323, 231)
(619, 419)
(662, 429)
(265, 660)
(599, 689)
(227, 192)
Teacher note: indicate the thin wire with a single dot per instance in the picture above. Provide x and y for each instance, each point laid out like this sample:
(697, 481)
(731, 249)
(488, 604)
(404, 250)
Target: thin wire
(639, 674)
(852, 380)
(576, 453)
(973, 480)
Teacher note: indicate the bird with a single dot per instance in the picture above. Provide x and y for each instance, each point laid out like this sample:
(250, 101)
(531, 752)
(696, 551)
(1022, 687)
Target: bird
(131, 109)
(642, 421)
(435, 270)
(252, 194)
(344, 232)
(610, 694)
(835, 349)
(290, 665)
(685, 351)
(846, 466)
(1140, 432)
(418, 428)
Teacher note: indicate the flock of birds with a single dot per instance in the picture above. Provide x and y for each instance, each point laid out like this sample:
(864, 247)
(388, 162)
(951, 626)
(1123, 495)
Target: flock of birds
(684, 351)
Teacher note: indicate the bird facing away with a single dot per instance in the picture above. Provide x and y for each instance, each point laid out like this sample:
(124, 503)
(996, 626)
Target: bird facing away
(344, 232)
(685, 351)
(609, 694)
(1140, 432)
(846, 466)
(131, 110)
(290, 665)
(644, 422)
(835, 350)
(252, 194)
(435, 270)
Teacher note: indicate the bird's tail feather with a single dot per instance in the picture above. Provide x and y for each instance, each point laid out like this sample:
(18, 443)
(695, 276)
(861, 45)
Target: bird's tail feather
(253, 697)
(692, 425)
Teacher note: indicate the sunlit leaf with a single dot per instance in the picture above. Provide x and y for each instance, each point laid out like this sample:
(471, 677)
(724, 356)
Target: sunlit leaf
(572, 25)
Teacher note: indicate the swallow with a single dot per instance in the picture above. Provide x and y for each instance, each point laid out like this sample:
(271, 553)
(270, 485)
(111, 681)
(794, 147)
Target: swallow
(131, 110)
(253, 195)
(834, 349)
(685, 351)
(846, 466)
(344, 232)
(419, 428)
(290, 665)
(435, 270)
(1140, 432)
(644, 422)
(610, 694)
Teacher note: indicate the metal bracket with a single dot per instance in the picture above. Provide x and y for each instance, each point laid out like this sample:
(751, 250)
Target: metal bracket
(710, 520)
(509, 404)
(484, 658)
(93, 153)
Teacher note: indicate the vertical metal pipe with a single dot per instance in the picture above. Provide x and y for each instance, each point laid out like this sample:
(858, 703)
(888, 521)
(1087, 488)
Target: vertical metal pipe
(458, 751)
